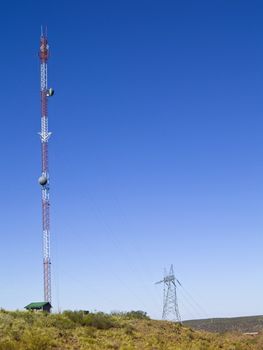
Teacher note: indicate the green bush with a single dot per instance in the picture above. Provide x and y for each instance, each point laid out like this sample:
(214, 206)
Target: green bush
(8, 344)
(97, 320)
(38, 339)
(130, 315)
(138, 315)
(61, 322)
(74, 316)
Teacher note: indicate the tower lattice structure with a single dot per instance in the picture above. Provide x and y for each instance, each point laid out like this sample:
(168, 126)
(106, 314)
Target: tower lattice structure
(170, 302)
(44, 178)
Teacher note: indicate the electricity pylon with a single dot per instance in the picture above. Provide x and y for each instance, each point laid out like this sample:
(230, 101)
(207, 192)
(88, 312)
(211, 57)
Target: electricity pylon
(170, 303)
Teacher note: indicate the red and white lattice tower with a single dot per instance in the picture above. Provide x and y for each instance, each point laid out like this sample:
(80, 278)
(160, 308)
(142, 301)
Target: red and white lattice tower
(45, 92)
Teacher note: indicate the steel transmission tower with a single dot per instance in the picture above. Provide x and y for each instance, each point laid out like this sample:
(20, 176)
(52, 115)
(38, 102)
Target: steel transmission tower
(44, 178)
(170, 304)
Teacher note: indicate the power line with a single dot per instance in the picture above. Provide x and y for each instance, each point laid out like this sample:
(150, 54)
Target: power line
(114, 240)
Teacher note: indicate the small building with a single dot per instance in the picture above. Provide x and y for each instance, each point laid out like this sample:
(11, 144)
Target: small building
(39, 306)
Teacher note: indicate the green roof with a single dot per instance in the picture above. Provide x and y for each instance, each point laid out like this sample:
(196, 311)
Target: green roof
(36, 305)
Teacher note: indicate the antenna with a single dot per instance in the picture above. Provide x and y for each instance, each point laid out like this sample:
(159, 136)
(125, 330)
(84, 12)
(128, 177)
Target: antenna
(170, 303)
(44, 178)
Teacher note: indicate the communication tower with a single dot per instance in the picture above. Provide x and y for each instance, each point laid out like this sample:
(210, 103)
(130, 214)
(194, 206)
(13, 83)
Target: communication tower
(43, 180)
(170, 303)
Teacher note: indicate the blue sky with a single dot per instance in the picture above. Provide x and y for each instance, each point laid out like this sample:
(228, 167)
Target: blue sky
(155, 156)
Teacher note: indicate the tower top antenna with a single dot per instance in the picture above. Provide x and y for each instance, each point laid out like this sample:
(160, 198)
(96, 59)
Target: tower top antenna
(43, 31)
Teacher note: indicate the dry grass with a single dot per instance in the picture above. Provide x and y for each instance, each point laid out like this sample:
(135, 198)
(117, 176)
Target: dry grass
(75, 330)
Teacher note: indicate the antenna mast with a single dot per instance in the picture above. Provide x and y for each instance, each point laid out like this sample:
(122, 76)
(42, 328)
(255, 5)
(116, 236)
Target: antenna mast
(44, 178)
(170, 303)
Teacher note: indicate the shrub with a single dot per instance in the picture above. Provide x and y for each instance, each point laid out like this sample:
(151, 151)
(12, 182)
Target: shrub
(129, 329)
(130, 315)
(74, 316)
(99, 320)
(38, 339)
(139, 315)
(8, 344)
(61, 322)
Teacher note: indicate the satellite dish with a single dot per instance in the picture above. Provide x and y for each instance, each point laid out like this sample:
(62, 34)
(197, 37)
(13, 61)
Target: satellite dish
(42, 180)
(50, 92)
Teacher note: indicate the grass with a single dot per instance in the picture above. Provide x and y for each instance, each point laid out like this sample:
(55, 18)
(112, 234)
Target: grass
(220, 325)
(77, 330)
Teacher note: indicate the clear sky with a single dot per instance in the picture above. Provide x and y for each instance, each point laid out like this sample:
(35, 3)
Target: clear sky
(155, 157)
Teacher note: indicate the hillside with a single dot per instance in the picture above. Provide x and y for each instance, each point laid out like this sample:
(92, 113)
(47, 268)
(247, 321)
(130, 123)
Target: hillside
(232, 324)
(129, 331)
